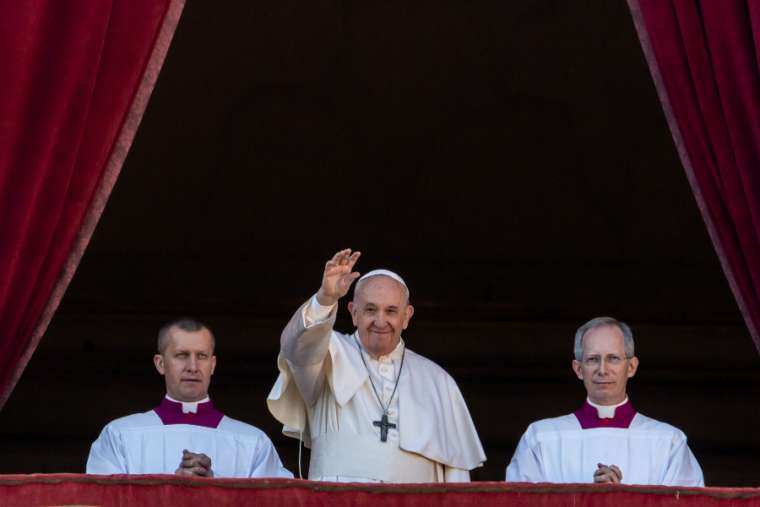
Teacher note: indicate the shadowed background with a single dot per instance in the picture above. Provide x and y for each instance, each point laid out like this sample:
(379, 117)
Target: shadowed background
(510, 160)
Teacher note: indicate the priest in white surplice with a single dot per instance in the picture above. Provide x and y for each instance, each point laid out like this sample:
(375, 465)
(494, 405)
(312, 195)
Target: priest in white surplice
(370, 409)
(605, 440)
(185, 434)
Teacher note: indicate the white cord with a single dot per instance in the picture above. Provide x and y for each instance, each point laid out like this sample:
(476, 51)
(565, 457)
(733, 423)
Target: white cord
(300, 446)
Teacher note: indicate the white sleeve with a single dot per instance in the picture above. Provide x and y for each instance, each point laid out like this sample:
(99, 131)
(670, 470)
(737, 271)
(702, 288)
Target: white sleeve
(106, 454)
(315, 313)
(305, 344)
(525, 465)
(267, 462)
(683, 468)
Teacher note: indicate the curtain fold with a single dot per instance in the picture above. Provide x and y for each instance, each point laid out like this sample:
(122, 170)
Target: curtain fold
(78, 74)
(704, 59)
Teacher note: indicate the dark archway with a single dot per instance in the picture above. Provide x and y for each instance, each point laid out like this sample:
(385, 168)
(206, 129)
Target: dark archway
(511, 160)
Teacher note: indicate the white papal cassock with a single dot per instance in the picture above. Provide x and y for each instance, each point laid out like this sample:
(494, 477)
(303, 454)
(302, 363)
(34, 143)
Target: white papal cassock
(324, 395)
(152, 443)
(567, 449)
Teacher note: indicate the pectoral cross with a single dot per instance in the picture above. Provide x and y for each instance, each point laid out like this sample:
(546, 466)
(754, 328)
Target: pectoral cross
(383, 424)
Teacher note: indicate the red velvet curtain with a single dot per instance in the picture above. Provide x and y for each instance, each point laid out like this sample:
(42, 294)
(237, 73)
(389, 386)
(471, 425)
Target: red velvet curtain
(704, 57)
(77, 75)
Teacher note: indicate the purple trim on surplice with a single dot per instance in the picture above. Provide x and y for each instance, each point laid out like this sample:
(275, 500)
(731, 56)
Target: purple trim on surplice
(588, 417)
(170, 412)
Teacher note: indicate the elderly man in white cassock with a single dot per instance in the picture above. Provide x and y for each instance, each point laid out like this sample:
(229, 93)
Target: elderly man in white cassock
(370, 409)
(185, 434)
(605, 440)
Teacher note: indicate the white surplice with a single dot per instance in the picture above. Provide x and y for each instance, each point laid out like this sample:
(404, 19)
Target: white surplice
(325, 396)
(143, 444)
(647, 452)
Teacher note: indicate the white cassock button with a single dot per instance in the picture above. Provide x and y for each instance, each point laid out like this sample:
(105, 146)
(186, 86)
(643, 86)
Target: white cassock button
(393, 434)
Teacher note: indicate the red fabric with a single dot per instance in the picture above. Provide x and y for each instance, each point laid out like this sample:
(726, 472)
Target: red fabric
(74, 89)
(702, 55)
(167, 490)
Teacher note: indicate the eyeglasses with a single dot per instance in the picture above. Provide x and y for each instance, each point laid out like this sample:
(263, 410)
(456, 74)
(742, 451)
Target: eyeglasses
(611, 359)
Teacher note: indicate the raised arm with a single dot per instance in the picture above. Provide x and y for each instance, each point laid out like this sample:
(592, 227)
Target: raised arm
(306, 338)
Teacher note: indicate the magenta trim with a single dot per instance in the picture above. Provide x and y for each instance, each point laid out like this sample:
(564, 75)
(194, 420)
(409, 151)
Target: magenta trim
(170, 412)
(588, 417)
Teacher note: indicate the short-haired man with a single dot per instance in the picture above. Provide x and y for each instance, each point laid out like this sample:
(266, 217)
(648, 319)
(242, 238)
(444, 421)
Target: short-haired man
(606, 440)
(185, 434)
(370, 409)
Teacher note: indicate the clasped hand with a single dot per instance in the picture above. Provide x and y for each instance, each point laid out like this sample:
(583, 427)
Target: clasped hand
(195, 465)
(607, 473)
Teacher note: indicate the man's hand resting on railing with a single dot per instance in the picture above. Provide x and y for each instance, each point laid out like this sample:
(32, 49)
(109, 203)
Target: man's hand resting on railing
(608, 473)
(195, 465)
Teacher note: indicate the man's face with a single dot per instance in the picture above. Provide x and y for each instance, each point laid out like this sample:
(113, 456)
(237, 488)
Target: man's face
(380, 312)
(187, 364)
(604, 368)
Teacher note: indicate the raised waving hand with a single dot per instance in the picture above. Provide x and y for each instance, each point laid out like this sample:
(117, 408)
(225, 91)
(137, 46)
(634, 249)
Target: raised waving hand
(338, 277)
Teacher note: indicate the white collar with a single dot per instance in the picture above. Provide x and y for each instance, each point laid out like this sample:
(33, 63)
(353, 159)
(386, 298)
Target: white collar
(189, 406)
(393, 355)
(606, 411)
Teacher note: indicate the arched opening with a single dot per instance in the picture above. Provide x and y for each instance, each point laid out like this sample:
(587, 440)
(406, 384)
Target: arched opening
(511, 161)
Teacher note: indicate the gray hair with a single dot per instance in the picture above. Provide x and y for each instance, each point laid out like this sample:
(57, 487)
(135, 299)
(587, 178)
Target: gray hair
(185, 324)
(598, 322)
(361, 282)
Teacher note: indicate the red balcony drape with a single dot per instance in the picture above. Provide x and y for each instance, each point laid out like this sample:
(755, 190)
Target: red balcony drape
(704, 58)
(77, 75)
(167, 490)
